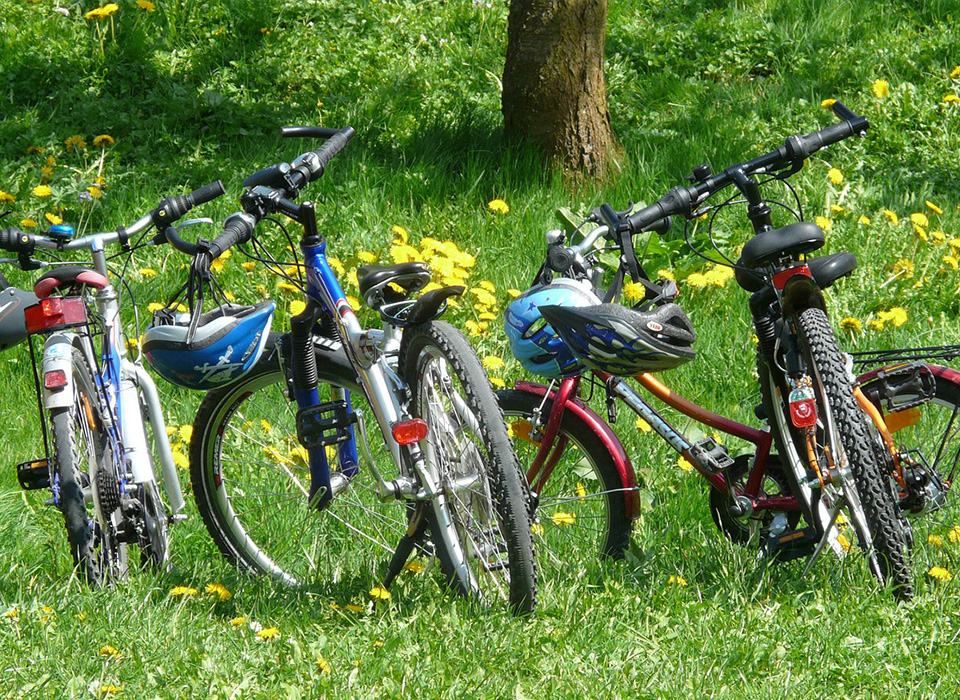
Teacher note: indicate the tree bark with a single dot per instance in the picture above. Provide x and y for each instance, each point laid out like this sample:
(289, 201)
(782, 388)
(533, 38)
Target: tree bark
(554, 91)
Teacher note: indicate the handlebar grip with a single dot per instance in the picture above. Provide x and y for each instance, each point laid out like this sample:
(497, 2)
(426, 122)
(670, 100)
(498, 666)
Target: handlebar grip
(171, 209)
(270, 177)
(171, 236)
(17, 241)
(321, 132)
(331, 148)
(238, 228)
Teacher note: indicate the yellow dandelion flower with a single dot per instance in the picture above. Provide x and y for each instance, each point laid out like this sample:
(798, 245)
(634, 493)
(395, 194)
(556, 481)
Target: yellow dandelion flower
(938, 573)
(102, 12)
(401, 233)
(955, 73)
(951, 98)
(107, 688)
(881, 88)
(146, 5)
(402, 253)
(354, 608)
(677, 580)
(851, 324)
(147, 272)
(634, 291)
(487, 316)
(155, 306)
(492, 362)
(366, 257)
(897, 316)
(183, 592)
(248, 266)
(891, 216)
(837, 209)
(323, 666)
(665, 275)
(218, 590)
(42, 191)
(864, 220)
(938, 237)
(296, 307)
(487, 284)
(823, 222)
(476, 328)
(920, 219)
(414, 567)
(7, 198)
(835, 175)
(76, 142)
(696, 280)
(180, 460)
(238, 621)
(287, 287)
(107, 650)
(828, 103)
(875, 324)
(933, 207)
(684, 464)
(53, 219)
(354, 302)
(103, 140)
(903, 268)
(563, 519)
(954, 534)
(498, 206)
(920, 233)
(514, 293)
(268, 633)
(28, 223)
(185, 432)
(935, 540)
(844, 543)
(380, 593)
(497, 383)
(580, 490)
(642, 425)
(950, 261)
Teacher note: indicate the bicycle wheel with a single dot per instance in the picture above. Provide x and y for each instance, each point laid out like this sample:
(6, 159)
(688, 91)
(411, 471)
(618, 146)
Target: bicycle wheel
(251, 481)
(581, 510)
(90, 506)
(482, 531)
(927, 436)
(846, 440)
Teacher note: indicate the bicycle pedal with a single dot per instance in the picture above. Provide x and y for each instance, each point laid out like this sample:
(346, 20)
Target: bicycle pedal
(792, 544)
(711, 457)
(326, 424)
(913, 380)
(34, 475)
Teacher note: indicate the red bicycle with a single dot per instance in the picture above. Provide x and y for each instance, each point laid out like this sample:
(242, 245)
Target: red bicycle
(817, 461)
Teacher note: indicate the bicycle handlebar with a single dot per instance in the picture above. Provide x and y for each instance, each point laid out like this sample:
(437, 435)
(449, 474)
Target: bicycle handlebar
(683, 200)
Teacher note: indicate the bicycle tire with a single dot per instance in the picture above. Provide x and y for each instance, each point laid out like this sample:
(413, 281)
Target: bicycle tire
(75, 430)
(489, 514)
(581, 512)
(879, 530)
(250, 484)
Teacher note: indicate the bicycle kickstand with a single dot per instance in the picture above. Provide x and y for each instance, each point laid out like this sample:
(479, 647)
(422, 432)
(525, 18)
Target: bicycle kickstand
(415, 531)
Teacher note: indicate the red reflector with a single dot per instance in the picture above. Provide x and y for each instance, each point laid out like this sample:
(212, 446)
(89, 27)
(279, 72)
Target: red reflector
(780, 279)
(55, 379)
(409, 431)
(56, 312)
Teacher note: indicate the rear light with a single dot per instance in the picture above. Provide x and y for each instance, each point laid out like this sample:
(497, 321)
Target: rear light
(59, 312)
(409, 431)
(55, 379)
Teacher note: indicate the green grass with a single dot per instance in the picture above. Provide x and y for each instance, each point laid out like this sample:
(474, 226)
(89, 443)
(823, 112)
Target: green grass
(197, 90)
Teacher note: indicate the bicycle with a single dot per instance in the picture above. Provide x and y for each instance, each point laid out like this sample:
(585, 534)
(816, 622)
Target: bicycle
(286, 441)
(828, 457)
(96, 403)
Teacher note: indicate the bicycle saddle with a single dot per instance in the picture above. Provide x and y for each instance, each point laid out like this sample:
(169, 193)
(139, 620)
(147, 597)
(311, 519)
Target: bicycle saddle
(791, 240)
(68, 276)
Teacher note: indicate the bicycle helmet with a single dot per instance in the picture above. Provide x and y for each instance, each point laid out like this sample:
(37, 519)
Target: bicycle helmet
(225, 344)
(623, 341)
(532, 341)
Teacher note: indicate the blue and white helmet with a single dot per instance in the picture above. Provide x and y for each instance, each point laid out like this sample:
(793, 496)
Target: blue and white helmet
(532, 340)
(225, 345)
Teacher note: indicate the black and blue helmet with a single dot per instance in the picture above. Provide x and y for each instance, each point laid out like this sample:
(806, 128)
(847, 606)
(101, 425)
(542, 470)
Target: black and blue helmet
(622, 341)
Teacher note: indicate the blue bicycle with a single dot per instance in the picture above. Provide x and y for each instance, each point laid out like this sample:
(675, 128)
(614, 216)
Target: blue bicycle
(277, 448)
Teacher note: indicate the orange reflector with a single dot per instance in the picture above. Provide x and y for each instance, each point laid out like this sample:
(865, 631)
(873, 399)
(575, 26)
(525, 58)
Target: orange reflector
(409, 431)
(902, 419)
(55, 379)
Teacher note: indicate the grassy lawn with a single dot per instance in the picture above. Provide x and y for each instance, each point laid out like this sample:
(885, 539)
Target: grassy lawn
(189, 92)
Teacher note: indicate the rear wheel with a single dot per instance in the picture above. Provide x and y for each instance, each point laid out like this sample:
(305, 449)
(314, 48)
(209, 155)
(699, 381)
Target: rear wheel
(848, 454)
(580, 511)
(85, 486)
(481, 527)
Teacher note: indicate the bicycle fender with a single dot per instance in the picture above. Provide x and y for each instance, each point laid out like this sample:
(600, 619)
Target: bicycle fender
(800, 293)
(57, 357)
(586, 415)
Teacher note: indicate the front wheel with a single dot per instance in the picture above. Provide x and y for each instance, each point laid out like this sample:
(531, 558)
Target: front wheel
(480, 523)
(848, 454)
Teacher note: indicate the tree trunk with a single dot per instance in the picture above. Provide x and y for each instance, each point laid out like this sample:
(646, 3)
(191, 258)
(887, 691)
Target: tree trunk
(554, 92)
